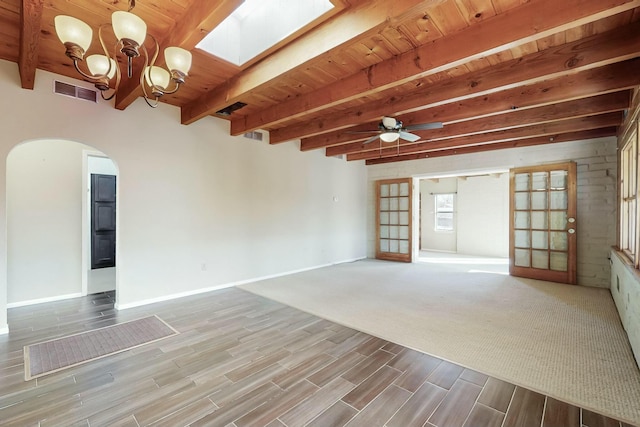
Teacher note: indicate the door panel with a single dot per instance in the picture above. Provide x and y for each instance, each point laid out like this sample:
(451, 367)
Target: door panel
(543, 222)
(103, 221)
(393, 220)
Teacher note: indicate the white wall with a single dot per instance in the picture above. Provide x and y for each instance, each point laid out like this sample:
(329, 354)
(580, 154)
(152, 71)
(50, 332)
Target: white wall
(44, 189)
(625, 289)
(483, 215)
(596, 222)
(197, 207)
(432, 239)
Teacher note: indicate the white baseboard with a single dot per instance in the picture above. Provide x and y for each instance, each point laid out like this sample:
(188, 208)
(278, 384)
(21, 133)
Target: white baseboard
(225, 285)
(170, 297)
(4, 330)
(41, 300)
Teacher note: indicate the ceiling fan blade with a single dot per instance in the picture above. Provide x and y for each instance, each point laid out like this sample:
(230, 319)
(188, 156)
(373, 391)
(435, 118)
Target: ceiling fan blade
(425, 126)
(409, 136)
(362, 131)
(373, 138)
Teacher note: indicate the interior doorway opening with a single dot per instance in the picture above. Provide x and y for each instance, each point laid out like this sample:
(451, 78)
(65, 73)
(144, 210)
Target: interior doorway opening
(100, 224)
(47, 221)
(462, 217)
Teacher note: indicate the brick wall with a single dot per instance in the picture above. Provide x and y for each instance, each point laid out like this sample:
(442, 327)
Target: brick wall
(596, 161)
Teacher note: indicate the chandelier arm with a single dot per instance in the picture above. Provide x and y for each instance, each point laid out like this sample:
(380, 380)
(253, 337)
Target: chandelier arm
(88, 77)
(157, 49)
(106, 52)
(150, 104)
(107, 98)
(142, 78)
(118, 73)
(174, 90)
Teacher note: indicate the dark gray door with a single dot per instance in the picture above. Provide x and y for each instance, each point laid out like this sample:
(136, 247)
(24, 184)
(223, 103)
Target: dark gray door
(103, 221)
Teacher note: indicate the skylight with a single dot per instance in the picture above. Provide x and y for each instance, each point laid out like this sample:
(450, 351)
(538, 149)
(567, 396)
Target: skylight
(257, 25)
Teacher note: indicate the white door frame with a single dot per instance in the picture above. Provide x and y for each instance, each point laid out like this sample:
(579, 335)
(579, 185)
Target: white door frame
(86, 217)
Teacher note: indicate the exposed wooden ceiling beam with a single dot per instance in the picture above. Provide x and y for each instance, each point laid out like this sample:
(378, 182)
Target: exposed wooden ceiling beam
(597, 50)
(513, 28)
(362, 17)
(528, 142)
(611, 78)
(197, 22)
(31, 22)
(601, 104)
(546, 129)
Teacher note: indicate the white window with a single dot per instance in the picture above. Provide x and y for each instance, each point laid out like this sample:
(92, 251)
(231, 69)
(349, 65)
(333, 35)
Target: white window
(628, 200)
(444, 212)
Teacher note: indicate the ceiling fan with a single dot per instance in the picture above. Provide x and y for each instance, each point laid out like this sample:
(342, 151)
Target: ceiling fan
(390, 130)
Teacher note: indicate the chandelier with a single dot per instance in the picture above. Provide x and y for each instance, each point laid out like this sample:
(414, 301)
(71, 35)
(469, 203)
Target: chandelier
(131, 32)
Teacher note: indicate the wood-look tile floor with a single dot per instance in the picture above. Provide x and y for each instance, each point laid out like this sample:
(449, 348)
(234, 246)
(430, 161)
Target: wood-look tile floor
(242, 360)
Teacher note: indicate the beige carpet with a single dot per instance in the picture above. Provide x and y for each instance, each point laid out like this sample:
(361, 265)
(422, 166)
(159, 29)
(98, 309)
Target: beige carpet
(564, 341)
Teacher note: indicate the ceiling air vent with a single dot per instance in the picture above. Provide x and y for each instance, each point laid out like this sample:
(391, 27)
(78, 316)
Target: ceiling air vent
(75, 91)
(254, 135)
(226, 111)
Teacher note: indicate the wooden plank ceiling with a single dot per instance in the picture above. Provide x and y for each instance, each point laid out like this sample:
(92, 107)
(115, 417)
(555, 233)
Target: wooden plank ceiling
(496, 73)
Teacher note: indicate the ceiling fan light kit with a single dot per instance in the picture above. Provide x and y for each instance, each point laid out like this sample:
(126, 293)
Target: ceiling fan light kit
(131, 32)
(389, 136)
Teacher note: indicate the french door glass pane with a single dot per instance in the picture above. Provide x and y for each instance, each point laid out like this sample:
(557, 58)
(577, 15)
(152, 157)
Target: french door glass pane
(384, 231)
(522, 239)
(403, 218)
(384, 204)
(559, 241)
(559, 200)
(384, 217)
(384, 190)
(539, 181)
(559, 261)
(540, 259)
(404, 247)
(522, 201)
(558, 180)
(539, 240)
(539, 220)
(522, 182)
(393, 204)
(394, 246)
(404, 189)
(522, 220)
(393, 190)
(558, 220)
(522, 258)
(539, 200)
(393, 232)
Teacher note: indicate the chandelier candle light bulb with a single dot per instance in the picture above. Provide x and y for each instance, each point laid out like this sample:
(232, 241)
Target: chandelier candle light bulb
(127, 26)
(158, 78)
(74, 34)
(101, 67)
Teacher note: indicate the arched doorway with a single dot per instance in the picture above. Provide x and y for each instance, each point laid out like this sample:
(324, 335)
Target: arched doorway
(48, 220)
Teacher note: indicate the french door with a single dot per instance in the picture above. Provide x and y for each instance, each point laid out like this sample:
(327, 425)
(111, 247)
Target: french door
(393, 219)
(543, 222)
